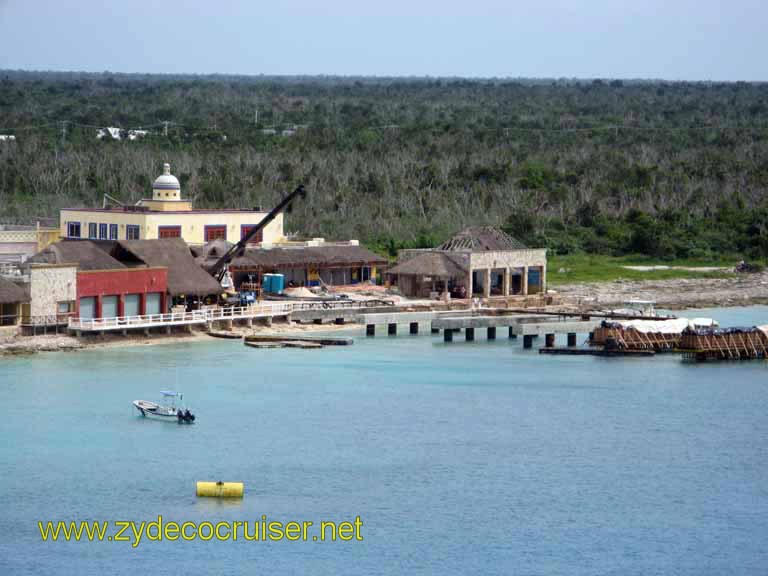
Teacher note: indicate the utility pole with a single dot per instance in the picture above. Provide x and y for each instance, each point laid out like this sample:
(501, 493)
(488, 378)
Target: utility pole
(165, 128)
(63, 131)
(256, 117)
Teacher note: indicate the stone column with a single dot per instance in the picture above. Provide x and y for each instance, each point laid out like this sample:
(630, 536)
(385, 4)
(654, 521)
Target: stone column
(506, 281)
(487, 282)
(524, 281)
(543, 278)
(469, 284)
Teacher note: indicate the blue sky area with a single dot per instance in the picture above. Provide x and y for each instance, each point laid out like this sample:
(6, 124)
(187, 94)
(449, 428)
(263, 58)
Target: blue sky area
(672, 39)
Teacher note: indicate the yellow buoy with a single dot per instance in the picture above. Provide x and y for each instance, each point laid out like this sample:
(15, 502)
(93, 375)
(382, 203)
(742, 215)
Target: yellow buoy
(220, 489)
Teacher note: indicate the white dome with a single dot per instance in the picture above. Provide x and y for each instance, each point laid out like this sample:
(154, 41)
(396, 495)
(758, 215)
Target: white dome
(166, 181)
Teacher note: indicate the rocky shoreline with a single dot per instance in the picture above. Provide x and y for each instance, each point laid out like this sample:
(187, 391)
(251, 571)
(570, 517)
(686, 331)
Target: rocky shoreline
(679, 294)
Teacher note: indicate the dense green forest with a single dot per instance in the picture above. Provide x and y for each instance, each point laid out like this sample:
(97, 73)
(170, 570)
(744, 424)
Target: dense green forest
(671, 170)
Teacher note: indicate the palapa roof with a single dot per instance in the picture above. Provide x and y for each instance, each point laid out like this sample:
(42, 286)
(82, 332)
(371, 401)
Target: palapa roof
(184, 274)
(10, 293)
(304, 256)
(482, 239)
(430, 264)
(86, 254)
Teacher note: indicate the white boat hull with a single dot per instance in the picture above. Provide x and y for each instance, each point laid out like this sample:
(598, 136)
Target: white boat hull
(158, 412)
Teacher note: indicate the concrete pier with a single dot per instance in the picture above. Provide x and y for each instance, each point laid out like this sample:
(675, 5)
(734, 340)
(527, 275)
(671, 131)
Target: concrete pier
(414, 327)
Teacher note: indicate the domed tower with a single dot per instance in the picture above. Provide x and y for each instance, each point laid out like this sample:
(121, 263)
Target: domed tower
(166, 186)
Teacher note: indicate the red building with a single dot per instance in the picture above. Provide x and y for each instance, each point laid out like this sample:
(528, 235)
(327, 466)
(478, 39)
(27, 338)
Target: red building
(121, 292)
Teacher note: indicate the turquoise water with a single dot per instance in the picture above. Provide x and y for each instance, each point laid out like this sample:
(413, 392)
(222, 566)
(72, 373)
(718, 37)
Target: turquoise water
(466, 458)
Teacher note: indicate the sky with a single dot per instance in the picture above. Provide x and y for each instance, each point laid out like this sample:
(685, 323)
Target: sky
(659, 39)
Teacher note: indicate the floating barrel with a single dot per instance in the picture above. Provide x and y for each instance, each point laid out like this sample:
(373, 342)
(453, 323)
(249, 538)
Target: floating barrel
(220, 489)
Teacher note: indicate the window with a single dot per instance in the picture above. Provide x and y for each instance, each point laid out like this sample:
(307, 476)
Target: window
(102, 231)
(246, 228)
(73, 229)
(92, 230)
(65, 307)
(132, 232)
(113, 231)
(215, 233)
(169, 231)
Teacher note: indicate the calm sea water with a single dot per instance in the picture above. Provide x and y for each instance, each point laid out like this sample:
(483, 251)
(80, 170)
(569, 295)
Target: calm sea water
(466, 458)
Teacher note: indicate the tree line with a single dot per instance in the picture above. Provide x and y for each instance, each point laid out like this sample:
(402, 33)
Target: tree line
(671, 170)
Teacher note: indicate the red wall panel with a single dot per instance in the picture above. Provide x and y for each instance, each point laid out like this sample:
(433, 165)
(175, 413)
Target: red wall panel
(122, 281)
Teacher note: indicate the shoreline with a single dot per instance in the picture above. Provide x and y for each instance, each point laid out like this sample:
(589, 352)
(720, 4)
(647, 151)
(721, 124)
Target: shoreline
(677, 295)
(29, 345)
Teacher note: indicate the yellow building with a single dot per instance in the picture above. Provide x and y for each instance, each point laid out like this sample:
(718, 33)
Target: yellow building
(166, 215)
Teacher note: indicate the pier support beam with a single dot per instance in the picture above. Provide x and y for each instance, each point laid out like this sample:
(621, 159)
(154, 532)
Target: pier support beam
(549, 340)
(414, 327)
(392, 329)
(571, 339)
(447, 335)
(370, 330)
(528, 341)
(491, 333)
(167, 329)
(512, 335)
(469, 334)
(228, 324)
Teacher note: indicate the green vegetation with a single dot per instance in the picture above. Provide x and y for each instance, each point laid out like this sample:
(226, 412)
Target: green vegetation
(600, 268)
(667, 170)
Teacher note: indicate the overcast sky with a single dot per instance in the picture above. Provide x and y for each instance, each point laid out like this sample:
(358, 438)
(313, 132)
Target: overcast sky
(669, 39)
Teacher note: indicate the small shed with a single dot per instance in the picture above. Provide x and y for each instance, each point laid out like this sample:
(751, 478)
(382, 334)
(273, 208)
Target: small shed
(11, 299)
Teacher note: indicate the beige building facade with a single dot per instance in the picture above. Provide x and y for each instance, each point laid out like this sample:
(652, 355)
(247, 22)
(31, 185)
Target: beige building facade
(166, 215)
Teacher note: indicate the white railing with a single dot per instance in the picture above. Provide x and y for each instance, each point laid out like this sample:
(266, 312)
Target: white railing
(261, 310)
(142, 321)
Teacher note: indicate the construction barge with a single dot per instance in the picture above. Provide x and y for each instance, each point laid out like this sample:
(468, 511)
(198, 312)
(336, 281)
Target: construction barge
(704, 345)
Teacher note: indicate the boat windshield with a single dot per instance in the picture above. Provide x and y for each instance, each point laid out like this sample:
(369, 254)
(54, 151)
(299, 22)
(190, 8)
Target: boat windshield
(170, 397)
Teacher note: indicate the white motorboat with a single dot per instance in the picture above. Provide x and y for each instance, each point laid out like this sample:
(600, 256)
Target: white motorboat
(171, 410)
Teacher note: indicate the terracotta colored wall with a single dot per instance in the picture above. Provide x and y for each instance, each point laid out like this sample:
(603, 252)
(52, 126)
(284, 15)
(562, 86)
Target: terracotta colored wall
(121, 281)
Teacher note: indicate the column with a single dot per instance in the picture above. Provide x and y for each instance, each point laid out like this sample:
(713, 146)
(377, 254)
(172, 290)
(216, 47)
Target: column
(544, 278)
(469, 284)
(487, 282)
(524, 279)
(506, 281)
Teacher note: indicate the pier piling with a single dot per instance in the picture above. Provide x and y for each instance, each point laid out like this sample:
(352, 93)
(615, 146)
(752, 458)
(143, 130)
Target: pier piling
(447, 335)
(370, 330)
(491, 333)
(549, 340)
(392, 329)
(571, 339)
(469, 334)
(528, 341)
(414, 327)
(512, 335)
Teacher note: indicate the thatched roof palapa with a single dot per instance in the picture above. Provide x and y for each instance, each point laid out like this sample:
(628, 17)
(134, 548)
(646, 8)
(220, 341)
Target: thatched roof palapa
(330, 256)
(184, 274)
(430, 264)
(86, 254)
(10, 293)
(482, 239)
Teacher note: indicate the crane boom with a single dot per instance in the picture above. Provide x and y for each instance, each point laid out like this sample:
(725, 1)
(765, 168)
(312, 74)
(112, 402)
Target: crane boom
(220, 268)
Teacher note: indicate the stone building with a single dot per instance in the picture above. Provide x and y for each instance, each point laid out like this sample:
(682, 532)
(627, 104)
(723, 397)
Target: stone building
(480, 261)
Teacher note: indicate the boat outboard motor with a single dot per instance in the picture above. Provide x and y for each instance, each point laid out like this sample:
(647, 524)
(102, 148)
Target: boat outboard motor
(188, 415)
(180, 415)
